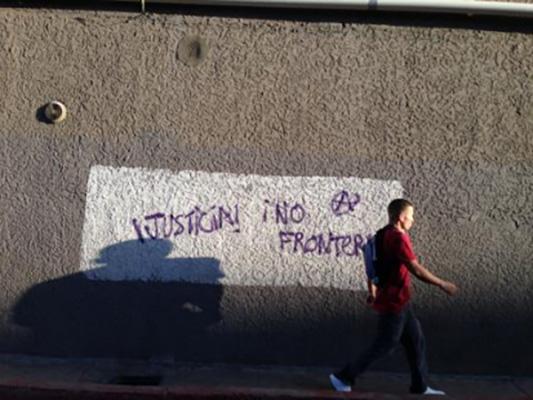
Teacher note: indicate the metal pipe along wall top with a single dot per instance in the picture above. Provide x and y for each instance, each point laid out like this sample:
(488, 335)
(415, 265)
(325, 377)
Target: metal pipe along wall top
(470, 7)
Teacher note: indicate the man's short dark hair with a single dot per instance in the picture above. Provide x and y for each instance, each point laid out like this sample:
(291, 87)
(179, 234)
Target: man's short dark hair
(396, 207)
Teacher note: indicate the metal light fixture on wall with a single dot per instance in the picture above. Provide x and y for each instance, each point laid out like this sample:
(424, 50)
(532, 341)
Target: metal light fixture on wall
(55, 112)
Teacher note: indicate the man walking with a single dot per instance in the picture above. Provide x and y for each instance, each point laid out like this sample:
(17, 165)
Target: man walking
(389, 294)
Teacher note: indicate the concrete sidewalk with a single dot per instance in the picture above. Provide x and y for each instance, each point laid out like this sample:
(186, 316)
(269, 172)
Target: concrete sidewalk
(46, 378)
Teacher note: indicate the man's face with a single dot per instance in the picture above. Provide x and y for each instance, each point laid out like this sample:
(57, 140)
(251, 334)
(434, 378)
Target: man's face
(406, 218)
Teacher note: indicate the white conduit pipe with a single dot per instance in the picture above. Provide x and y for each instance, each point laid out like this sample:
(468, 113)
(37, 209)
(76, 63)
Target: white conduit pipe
(470, 7)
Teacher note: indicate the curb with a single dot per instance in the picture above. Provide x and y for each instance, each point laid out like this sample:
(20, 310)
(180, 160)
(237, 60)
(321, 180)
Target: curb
(23, 390)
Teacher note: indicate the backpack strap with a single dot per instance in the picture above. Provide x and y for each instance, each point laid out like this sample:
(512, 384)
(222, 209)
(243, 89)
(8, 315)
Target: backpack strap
(382, 271)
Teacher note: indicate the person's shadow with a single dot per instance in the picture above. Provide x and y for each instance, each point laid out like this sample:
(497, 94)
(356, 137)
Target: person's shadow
(138, 304)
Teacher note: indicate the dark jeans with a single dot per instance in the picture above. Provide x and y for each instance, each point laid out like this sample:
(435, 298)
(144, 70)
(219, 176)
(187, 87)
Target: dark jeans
(394, 329)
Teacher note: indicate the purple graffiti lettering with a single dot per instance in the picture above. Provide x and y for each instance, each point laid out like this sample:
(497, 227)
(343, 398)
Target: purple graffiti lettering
(180, 229)
(359, 243)
(284, 212)
(190, 225)
(265, 211)
(200, 215)
(336, 240)
(346, 243)
(195, 222)
(322, 248)
(342, 203)
(236, 214)
(155, 217)
(297, 213)
(281, 213)
(284, 238)
(321, 244)
(298, 240)
(225, 215)
(311, 245)
(168, 226)
(138, 230)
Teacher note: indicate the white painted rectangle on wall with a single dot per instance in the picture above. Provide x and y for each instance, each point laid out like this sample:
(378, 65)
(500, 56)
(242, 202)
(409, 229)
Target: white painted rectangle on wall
(230, 229)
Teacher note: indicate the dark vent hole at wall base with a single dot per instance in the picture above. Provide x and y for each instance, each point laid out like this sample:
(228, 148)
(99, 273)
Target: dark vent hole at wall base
(136, 380)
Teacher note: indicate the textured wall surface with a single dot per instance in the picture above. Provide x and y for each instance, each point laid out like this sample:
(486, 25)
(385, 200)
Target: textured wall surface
(444, 110)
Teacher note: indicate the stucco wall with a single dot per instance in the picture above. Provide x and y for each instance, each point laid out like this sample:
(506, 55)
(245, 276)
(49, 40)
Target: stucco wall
(446, 111)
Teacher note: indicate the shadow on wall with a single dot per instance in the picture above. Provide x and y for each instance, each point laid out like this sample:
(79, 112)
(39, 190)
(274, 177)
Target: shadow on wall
(77, 316)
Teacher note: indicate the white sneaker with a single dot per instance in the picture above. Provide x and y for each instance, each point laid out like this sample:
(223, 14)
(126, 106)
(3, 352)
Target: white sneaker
(434, 392)
(339, 385)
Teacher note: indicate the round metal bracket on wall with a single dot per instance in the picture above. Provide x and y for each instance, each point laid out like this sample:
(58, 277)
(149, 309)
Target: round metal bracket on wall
(192, 50)
(55, 112)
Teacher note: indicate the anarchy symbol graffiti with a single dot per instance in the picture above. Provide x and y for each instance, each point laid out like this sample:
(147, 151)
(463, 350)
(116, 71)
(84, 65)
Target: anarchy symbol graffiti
(344, 203)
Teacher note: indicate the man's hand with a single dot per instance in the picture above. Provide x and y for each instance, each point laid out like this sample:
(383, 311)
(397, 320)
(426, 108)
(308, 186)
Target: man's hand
(372, 291)
(449, 288)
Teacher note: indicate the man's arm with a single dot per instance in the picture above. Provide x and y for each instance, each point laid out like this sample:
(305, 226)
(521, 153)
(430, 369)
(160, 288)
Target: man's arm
(372, 289)
(424, 275)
